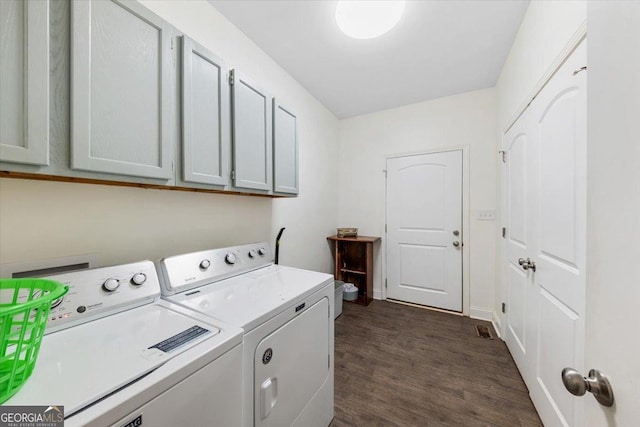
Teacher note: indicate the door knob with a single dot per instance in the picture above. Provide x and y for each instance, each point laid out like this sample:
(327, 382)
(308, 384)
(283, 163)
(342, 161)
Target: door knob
(527, 264)
(596, 383)
(456, 244)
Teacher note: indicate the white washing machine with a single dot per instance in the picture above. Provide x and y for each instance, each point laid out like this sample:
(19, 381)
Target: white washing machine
(114, 354)
(287, 317)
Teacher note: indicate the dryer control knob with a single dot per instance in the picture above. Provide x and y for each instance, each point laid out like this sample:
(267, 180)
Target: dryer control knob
(262, 251)
(110, 285)
(252, 253)
(138, 279)
(230, 258)
(204, 264)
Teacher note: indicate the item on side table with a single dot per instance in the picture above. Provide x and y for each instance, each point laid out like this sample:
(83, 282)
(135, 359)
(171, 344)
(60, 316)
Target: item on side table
(347, 232)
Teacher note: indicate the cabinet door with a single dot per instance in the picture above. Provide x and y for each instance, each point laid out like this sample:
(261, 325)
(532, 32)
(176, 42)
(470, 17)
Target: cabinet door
(120, 83)
(252, 151)
(24, 82)
(205, 116)
(285, 150)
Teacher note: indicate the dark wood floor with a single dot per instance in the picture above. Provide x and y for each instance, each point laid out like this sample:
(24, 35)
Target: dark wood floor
(397, 365)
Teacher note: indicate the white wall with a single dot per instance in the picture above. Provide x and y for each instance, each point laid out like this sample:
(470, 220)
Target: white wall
(613, 215)
(452, 122)
(50, 219)
(546, 30)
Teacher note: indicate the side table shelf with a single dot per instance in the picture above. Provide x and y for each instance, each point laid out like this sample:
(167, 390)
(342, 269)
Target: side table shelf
(354, 263)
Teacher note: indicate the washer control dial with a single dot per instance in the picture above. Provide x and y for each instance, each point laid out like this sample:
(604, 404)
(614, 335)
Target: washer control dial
(57, 302)
(252, 253)
(230, 258)
(204, 264)
(262, 251)
(111, 284)
(138, 279)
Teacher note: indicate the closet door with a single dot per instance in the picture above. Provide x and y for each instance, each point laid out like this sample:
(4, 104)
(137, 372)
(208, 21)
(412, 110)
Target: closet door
(546, 240)
(558, 117)
(24, 82)
(285, 150)
(252, 150)
(120, 82)
(520, 195)
(205, 116)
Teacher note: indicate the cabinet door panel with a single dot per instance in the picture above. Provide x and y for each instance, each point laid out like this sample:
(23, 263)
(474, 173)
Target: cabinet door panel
(252, 150)
(205, 116)
(285, 150)
(120, 89)
(24, 82)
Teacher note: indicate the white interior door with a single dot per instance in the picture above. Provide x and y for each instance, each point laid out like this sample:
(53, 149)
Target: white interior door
(546, 220)
(424, 234)
(519, 202)
(559, 124)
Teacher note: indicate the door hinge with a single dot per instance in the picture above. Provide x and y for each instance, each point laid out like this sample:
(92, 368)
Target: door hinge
(504, 232)
(329, 361)
(233, 174)
(171, 43)
(385, 228)
(504, 307)
(231, 77)
(504, 155)
(385, 282)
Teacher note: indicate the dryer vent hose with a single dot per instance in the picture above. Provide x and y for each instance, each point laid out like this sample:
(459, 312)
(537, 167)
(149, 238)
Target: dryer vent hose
(278, 245)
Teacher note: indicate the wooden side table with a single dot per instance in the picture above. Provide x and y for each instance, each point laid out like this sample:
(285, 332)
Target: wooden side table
(354, 263)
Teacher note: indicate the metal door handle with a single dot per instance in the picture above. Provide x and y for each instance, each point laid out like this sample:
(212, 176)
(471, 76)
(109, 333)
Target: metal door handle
(527, 264)
(596, 383)
(456, 244)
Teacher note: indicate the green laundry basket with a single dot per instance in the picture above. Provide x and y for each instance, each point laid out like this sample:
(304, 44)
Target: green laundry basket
(24, 309)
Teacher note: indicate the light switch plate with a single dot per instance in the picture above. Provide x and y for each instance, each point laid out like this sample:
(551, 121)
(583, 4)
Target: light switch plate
(486, 215)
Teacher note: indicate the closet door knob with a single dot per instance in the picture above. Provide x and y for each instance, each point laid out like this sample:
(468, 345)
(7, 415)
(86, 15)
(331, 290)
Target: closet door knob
(596, 383)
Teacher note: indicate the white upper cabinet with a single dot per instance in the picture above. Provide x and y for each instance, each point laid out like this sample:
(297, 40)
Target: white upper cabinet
(285, 150)
(252, 149)
(206, 143)
(24, 82)
(121, 71)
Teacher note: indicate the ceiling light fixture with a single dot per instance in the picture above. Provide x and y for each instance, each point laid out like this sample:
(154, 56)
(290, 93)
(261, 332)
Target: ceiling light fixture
(362, 19)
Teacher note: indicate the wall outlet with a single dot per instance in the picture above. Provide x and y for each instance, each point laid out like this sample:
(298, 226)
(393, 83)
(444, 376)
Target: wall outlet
(486, 215)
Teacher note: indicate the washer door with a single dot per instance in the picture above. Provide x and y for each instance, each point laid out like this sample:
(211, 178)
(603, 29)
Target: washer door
(291, 365)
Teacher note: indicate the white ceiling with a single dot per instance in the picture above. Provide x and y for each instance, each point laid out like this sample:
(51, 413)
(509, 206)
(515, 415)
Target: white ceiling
(439, 48)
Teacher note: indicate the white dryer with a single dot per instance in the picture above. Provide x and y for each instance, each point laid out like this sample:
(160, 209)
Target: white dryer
(287, 316)
(114, 354)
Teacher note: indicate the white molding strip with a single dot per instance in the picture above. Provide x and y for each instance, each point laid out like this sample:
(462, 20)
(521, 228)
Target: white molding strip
(497, 324)
(481, 313)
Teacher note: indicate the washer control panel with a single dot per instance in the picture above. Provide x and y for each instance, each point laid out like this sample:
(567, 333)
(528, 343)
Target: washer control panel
(183, 272)
(102, 291)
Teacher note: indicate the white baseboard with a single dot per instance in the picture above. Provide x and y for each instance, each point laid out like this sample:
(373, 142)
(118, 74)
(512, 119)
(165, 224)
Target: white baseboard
(377, 294)
(497, 324)
(481, 313)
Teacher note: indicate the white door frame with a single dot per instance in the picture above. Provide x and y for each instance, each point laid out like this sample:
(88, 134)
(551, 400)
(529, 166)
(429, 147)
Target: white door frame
(465, 222)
